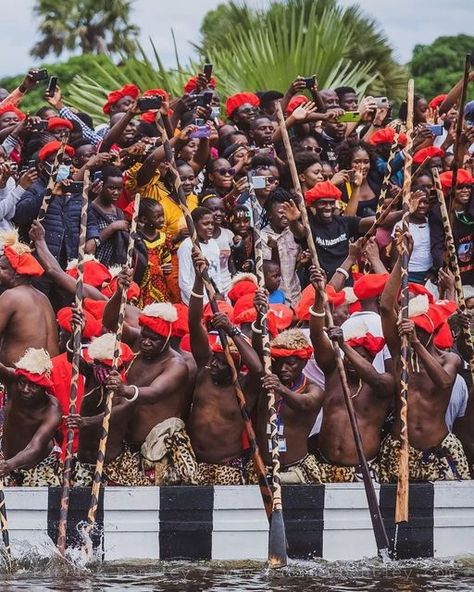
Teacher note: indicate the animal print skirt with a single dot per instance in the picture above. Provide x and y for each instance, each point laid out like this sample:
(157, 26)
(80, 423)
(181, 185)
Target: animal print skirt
(47, 472)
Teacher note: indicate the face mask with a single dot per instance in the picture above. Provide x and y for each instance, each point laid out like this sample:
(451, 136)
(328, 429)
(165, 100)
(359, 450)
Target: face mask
(63, 173)
(215, 112)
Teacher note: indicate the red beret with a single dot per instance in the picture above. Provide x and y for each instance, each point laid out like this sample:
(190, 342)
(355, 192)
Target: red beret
(322, 190)
(128, 90)
(54, 122)
(181, 326)
(191, 84)
(431, 152)
(110, 289)
(370, 285)
(463, 178)
(10, 108)
(436, 101)
(369, 342)
(295, 102)
(239, 99)
(95, 273)
(385, 136)
(307, 300)
(93, 327)
(52, 148)
(24, 263)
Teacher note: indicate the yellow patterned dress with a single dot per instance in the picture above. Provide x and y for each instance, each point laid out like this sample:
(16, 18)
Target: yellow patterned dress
(153, 287)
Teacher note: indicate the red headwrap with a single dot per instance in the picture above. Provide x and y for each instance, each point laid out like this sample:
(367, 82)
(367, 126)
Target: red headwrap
(419, 289)
(93, 327)
(54, 122)
(369, 342)
(242, 304)
(39, 379)
(222, 305)
(10, 108)
(444, 337)
(431, 152)
(436, 101)
(181, 326)
(95, 307)
(242, 287)
(52, 148)
(95, 273)
(216, 346)
(295, 102)
(370, 285)
(126, 355)
(322, 190)
(385, 136)
(438, 313)
(150, 116)
(281, 352)
(463, 178)
(239, 99)
(159, 317)
(279, 317)
(110, 289)
(307, 300)
(128, 90)
(24, 264)
(191, 84)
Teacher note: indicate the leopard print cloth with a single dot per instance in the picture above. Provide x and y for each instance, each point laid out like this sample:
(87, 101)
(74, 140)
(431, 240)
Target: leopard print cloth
(305, 471)
(178, 467)
(125, 470)
(233, 472)
(445, 462)
(47, 472)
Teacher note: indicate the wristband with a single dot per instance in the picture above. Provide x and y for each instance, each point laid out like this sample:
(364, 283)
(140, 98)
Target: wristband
(343, 271)
(313, 313)
(135, 393)
(234, 332)
(69, 349)
(255, 330)
(197, 295)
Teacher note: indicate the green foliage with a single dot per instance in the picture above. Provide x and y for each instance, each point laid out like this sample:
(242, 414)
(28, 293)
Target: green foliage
(437, 67)
(93, 26)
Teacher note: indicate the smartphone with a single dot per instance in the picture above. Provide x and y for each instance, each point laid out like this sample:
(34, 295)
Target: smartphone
(202, 132)
(148, 103)
(39, 126)
(310, 82)
(97, 176)
(258, 182)
(52, 84)
(436, 130)
(203, 99)
(73, 187)
(382, 102)
(349, 117)
(199, 122)
(207, 71)
(40, 75)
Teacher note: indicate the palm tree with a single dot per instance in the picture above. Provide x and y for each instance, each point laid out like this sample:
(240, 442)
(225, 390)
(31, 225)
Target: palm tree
(94, 26)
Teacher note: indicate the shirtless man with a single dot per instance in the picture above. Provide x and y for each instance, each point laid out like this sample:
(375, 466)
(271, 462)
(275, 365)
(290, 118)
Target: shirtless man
(435, 453)
(28, 456)
(26, 316)
(298, 402)
(372, 393)
(158, 378)
(215, 424)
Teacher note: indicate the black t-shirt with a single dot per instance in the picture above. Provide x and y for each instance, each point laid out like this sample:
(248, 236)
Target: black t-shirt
(332, 240)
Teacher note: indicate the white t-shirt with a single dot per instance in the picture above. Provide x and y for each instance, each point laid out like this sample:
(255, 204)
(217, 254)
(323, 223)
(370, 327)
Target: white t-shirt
(373, 322)
(224, 240)
(457, 402)
(186, 276)
(421, 259)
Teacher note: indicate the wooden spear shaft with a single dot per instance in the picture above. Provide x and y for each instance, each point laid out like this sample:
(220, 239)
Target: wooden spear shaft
(76, 358)
(453, 263)
(277, 555)
(374, 509)
(99, 467)
(265, 489)
(401, 507)
(4, 523)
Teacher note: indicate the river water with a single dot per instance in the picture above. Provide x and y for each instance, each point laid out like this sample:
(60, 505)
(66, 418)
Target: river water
(39, 575)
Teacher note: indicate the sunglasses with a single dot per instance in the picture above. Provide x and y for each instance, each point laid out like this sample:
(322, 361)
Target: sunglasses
(223, 172)
(271, 179)
(316, 149)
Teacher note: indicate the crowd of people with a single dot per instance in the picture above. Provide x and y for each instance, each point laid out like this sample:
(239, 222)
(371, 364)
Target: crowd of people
(175, 417)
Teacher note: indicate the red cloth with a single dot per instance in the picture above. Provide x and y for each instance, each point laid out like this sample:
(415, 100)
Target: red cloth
(241, 288)
(24, 264)
(128, 90)
(216, 347)
(370, 285)
(11, 108)
(463, 178)
(436, 101)
(431, 152)
(223, 306)
(295, 102)
(438, 313)
(444, 338)
(156, 324)
(95, 274)
(369, 342)
(322, 190)
(304, 354)
(419, 289)
(385, 136)
(191, 84)
(181, 326)
(126, 355)
(61, 375)
(95, 307)
(54, 122)
(239, 99)
(307, 300)
(39, 379)
(52, 148)
(150, 116)
(132, 293)
(92, 328)
(185, 343)
(279, 317)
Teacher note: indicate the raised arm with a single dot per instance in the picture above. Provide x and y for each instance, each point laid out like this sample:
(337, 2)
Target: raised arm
(111, 311)
(309, 402)
(339, 278)
(323, 350)
(115, 132)
(198, 335)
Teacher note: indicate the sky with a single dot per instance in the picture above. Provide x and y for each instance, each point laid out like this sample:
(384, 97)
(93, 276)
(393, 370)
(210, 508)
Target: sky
(405, 22)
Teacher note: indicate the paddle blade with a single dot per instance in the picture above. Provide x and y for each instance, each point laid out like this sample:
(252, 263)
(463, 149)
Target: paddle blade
(277, 556)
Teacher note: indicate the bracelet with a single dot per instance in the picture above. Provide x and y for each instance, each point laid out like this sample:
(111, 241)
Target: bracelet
(313, 313)
(69, 349)
(254, 329)
(197, 295)
(343, 271)
(234, 332)
(135, 393)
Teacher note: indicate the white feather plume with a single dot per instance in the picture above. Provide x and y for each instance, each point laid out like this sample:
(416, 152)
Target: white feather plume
(11, 238)
(241, 276)
(418, 305)
(350, 296)
(161, 310)
(73, 263)
(355, 329)
(35, 361)
(103, 347)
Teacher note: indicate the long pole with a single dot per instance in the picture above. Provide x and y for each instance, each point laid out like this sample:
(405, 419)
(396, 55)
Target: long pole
(401, 506)
(459, 124)
(453, 263)
(277, 555)
(374, 509)
(76, 358)
(265, 489)
(48, 194)
(99, 467)
(4, 524)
